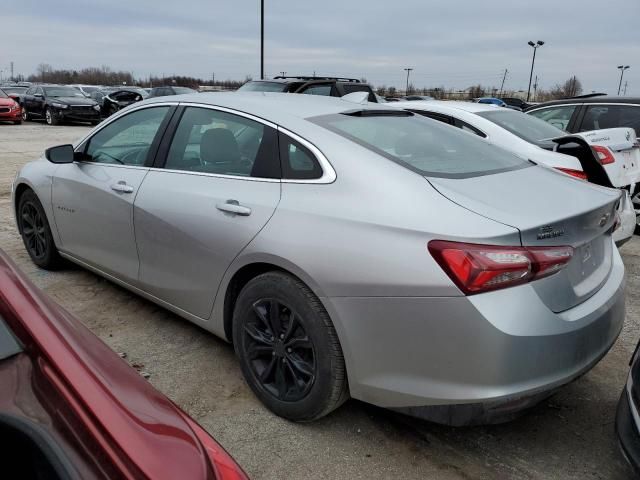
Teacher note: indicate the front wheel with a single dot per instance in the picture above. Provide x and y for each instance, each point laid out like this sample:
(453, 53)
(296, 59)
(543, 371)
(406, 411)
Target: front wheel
(36, 233)
(288, 348)
(50, 118)
(25, 115)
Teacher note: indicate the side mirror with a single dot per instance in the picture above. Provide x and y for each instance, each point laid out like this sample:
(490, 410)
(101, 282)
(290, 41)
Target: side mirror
(60, 154)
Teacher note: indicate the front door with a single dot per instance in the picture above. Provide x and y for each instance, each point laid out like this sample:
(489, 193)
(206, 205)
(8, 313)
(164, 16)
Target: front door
(219, 187)
(93, 198)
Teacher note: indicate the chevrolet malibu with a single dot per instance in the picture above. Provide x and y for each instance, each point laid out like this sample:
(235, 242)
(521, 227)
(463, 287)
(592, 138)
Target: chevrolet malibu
(345, 249)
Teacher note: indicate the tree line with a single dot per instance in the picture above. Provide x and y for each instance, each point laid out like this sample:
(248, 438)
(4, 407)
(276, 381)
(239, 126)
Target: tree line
(104, 75)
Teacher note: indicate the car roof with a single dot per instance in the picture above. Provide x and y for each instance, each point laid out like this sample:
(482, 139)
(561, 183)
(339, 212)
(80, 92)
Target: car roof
(600, 99)
(470, 107)
(279, 108)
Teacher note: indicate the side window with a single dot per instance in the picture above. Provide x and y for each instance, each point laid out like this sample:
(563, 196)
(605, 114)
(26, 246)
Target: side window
(556, 116)
(127, 140)
(611, 116)
(469, 128)
(318, 90)
(39, 91)
(298, 163)
(210, 141)
(30, 91)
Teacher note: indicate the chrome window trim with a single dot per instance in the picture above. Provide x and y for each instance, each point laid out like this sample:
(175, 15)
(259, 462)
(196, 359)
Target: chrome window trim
(328, 173)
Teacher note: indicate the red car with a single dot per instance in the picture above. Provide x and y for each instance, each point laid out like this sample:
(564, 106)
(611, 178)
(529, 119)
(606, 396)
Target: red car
(71, 408)
(10, 110)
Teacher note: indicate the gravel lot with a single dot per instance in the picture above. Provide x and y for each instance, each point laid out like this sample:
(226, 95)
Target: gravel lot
(570, 436)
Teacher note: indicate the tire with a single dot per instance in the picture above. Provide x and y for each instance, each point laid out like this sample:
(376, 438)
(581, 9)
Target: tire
(293, 362)
(25, 115)
(50, 118)
(39, 244)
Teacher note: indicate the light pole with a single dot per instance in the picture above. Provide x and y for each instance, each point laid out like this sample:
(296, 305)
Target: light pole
(261, 39)
(535, 46)
(622, 69)
(408, 70)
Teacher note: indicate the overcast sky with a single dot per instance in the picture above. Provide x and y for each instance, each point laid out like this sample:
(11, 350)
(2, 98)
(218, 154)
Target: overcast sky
(452, 44)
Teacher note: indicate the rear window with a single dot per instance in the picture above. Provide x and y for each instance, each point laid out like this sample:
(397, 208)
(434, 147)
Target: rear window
(263, 87)
(425, 146)
(183, 90)
(528, 128)
(354, 87)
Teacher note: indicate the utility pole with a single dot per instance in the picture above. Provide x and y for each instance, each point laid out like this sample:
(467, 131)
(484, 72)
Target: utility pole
(408, 70)
(213, 78)
(622, 68)
(535, 88)
(11, 71)
(283, 74)
(504, 77)
(624, 92)
(261, 39)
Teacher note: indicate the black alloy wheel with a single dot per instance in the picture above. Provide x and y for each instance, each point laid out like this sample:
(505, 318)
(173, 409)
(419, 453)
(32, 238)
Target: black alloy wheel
(33, 230)
(288, 348)
(36, 233)
(280, 353)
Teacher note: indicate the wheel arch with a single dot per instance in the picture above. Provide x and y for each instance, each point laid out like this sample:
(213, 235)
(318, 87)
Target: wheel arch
(247, 270)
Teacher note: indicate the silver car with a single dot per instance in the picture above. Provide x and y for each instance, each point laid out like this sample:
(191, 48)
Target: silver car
(346, 249)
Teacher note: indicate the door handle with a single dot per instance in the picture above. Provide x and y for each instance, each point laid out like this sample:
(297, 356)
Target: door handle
(233, 206)
(122, 187)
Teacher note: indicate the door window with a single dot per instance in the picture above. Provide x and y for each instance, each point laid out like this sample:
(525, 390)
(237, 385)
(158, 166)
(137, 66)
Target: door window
(127, 140)
(611, 116)
(557, 116)
(211, 141)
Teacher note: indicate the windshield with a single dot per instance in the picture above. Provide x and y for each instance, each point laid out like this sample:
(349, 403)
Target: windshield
(90, 89)
(263, 87)
(423, 145)
(62, 92)
(528, 128)
(14, 89)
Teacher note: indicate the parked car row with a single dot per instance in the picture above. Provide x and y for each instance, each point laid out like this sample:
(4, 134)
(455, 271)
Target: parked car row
(74, 103)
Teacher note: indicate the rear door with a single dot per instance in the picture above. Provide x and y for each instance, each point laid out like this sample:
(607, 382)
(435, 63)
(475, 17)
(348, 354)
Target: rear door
(93, 198)
(219, 186)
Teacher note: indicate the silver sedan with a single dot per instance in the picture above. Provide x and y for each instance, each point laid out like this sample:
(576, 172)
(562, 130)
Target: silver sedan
(345, 249)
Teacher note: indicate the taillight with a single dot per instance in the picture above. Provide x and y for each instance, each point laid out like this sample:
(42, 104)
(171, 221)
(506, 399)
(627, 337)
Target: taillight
(224, 466)
(574, 173)
(479, 268)
(605, 157)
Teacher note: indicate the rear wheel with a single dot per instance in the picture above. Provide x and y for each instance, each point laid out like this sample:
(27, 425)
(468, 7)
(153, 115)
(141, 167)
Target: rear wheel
(288, 348)
(36, 233)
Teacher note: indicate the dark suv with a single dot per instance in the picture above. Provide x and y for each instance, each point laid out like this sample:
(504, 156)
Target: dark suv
(590, 113)
(327, 86)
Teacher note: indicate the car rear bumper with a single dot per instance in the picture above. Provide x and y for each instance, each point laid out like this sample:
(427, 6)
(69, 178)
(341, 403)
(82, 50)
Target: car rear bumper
(628, 220)
(502, 351)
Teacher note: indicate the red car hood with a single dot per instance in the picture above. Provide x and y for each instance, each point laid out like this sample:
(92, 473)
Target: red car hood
(7, 102)
(140, 430)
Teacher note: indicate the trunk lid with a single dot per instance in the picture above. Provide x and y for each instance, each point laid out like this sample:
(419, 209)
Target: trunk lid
(548, 208)
(623, 145)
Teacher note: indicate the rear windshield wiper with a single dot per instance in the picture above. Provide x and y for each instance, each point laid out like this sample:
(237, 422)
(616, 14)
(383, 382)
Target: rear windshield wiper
(379, 113)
